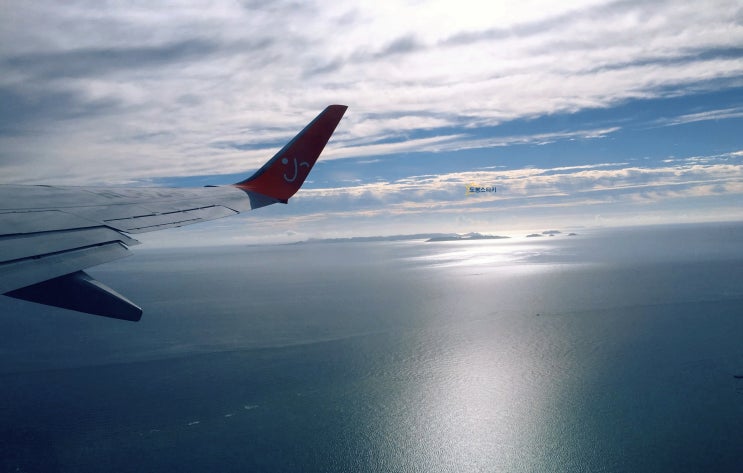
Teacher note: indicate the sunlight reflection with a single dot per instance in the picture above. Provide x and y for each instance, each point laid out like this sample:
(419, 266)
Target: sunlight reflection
(453, 254)
(474, 402)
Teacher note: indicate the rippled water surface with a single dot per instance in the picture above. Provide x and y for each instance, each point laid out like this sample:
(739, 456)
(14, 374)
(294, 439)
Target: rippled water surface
(607, 351)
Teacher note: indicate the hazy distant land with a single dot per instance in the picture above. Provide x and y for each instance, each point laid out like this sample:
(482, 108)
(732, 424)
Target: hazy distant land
(427, 237)
(468, 236)
(549, 233)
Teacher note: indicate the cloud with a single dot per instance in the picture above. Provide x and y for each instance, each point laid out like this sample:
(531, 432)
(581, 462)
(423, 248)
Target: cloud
(538, 138)
(156, 84)
(103, 61)
(720, 114)
(537, 186)
(22, 113)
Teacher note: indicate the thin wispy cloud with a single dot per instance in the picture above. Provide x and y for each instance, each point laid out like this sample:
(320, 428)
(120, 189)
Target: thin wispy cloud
(722, 114)
(539, 182)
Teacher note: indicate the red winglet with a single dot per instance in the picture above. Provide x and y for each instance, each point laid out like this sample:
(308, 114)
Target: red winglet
(283, 175)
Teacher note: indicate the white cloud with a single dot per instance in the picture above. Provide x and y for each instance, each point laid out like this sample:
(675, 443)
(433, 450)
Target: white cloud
(113, 91)
(535, 187)
(721, 114)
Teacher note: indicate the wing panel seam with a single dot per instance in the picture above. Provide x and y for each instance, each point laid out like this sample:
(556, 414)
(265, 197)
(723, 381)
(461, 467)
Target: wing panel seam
(61, 252)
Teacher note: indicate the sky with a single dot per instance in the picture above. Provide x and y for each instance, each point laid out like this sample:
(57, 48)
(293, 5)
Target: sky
(580, 113)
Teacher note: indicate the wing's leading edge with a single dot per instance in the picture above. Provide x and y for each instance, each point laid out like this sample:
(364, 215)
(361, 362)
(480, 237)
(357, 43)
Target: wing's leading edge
(50, 234)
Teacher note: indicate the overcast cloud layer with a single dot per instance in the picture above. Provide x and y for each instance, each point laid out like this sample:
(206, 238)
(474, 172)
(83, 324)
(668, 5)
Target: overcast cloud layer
(119, 92)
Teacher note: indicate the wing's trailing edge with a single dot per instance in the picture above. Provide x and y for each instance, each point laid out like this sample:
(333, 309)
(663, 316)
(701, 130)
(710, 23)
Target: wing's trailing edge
(50, 234)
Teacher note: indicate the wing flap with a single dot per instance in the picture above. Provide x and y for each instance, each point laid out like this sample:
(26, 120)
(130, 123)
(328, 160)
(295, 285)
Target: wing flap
(18, 247)
(178, 218)
(32, 221)
(28, 271)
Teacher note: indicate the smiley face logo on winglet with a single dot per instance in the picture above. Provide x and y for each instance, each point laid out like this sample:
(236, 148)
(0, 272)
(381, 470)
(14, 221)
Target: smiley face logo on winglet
(296, 168)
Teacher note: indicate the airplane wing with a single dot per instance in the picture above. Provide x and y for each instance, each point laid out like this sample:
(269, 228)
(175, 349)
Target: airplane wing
(50, 234)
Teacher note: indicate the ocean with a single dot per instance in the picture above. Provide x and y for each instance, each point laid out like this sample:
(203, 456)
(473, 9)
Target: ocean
(614, 350)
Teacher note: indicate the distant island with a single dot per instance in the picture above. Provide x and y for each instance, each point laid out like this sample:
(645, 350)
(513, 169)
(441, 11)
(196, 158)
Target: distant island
(427, 237)
(416, 236)
(468, 236)
(549, 233)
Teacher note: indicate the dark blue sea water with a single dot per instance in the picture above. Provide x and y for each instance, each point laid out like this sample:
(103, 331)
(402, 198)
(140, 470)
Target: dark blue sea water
(609, 351)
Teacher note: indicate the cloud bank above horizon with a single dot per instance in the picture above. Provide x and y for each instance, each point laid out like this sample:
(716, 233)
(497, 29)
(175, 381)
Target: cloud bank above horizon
(139, 93)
